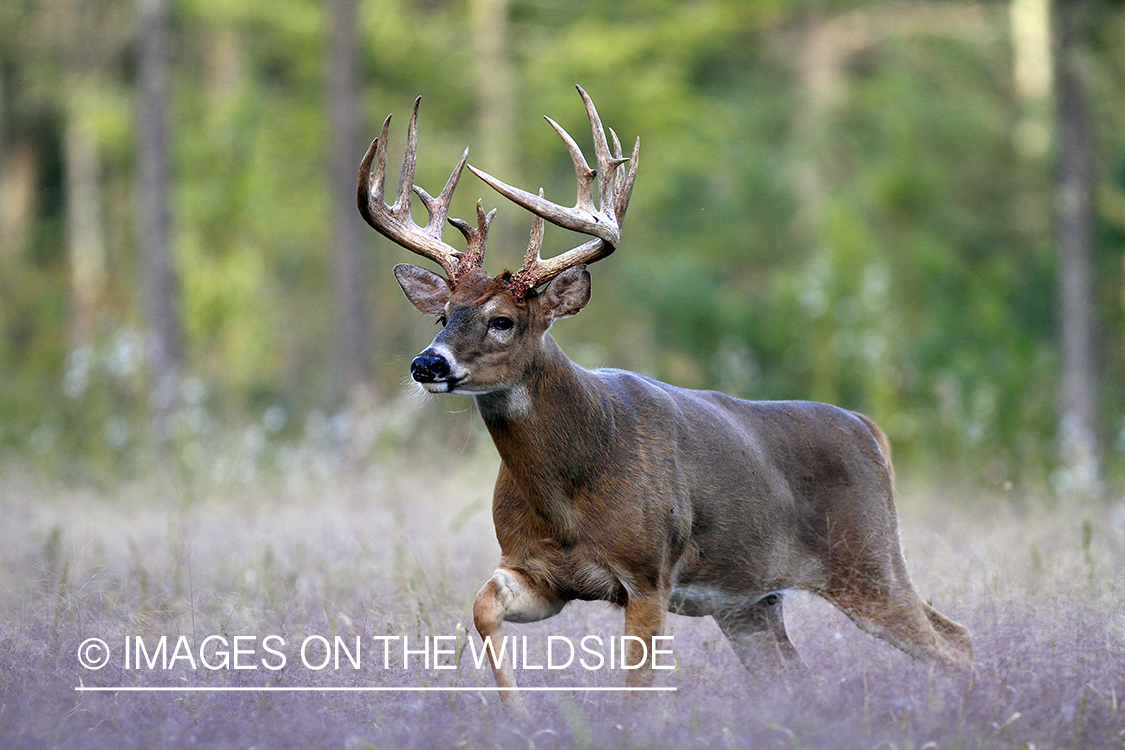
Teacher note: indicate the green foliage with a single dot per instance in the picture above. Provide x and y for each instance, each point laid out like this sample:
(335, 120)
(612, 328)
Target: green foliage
(885, 245)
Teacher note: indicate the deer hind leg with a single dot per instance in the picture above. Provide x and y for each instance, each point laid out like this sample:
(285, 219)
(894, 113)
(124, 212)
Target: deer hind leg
(882, 601)
(954, 633)
(757, 634)
(514, 596)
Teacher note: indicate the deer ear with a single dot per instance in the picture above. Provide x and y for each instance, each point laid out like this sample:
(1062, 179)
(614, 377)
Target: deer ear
(567, 294)
(426, 290)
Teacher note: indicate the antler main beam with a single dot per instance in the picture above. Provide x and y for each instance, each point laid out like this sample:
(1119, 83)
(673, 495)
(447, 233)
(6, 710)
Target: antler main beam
(394, 221)
(602, 223)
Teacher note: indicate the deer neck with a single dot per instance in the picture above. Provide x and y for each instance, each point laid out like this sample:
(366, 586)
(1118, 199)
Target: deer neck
(553, 429)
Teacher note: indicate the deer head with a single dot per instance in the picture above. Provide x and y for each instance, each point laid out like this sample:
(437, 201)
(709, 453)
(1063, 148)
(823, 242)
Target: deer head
(491, 325)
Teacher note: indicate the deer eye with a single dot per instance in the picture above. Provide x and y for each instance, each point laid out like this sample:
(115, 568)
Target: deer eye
(441, 321)
(502, 323)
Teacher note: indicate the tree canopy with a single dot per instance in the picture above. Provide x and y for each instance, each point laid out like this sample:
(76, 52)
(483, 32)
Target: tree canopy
(837, 200)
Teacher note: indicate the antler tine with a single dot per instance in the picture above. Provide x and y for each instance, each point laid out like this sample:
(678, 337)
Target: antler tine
(582, 171)
(607, 163)
(474, 256)
(616, 162)
(370, 187)
(406, 176)
(394, 221)
(602, 223)
(438, 208)
(533, 256)
(624, 190)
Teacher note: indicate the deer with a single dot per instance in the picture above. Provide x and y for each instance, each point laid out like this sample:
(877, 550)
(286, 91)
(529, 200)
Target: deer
(616, 487)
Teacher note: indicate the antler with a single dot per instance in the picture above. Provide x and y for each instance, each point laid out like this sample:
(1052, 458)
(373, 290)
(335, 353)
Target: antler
(603, 223)
(394, 221)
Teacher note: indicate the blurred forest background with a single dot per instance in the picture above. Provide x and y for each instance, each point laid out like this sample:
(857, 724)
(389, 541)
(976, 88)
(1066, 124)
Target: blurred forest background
(913, 209)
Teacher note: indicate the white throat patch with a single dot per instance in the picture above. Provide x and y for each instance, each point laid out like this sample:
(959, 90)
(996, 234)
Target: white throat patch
(509, 404)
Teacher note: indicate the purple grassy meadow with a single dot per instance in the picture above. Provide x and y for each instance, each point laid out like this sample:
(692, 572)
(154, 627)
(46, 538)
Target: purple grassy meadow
(372, 555)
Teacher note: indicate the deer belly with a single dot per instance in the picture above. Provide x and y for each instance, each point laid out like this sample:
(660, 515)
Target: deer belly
(696, 600)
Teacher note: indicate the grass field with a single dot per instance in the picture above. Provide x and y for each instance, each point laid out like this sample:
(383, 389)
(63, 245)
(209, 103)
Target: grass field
(383, 551)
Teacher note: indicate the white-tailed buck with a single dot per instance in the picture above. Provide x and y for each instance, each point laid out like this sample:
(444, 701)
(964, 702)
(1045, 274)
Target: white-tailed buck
(617, 487)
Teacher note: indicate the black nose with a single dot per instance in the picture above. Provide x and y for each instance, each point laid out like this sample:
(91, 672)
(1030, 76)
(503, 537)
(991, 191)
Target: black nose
(427, 368)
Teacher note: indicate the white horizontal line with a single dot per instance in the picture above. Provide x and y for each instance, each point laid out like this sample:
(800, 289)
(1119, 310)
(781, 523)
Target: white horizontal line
(358, 689)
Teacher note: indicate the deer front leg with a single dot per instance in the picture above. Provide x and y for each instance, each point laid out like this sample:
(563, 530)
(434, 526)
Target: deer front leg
(644, 618)
(510, 595)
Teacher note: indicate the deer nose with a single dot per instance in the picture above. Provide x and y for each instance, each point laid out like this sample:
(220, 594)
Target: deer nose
(427, 368)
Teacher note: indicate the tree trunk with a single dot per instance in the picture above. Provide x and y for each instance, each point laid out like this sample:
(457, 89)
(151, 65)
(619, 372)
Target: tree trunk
(161, 292)
(354, 331)
(1078, 395)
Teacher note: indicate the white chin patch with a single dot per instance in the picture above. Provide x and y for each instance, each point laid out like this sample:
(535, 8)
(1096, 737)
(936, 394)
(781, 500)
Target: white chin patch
(441, 386)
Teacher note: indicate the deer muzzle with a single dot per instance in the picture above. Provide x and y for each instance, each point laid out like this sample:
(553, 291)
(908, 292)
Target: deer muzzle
(429, 367)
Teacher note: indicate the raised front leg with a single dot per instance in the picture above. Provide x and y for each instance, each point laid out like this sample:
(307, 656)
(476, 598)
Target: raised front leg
(510, 595)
